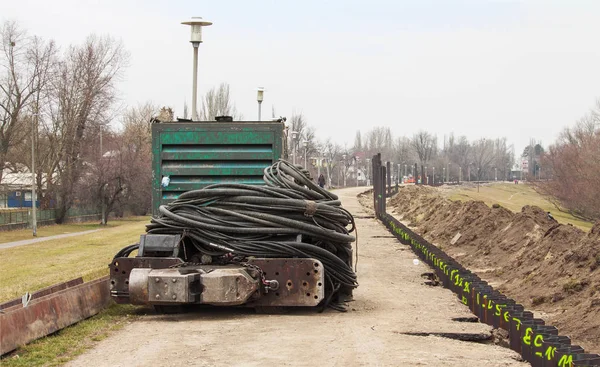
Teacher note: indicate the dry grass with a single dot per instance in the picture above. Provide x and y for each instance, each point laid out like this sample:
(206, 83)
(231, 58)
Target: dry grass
(55, 229)
(31, 267)
(35, 266)
(512, 197)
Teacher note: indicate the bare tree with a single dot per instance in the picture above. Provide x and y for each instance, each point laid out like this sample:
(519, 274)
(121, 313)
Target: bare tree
(574, 169)
(483, 156)
(185, 110)
(136, 148)
(332, 154)
(403, 151)
(83, 97)
(217, 102)
(425, 146)
(379, 140)
(27, 64)
(298, 125)
(358, 145)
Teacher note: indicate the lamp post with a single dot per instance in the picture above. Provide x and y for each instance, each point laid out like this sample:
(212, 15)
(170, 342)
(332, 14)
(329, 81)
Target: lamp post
(469, 171)
(305, 143)
(102, 220)
(33, 193)
(344, 166)
(259, 98)
(433, 168)
(426, 176)
(294, 145)
(196, 24)
(319, 162)
(357, 160)
(369, 171)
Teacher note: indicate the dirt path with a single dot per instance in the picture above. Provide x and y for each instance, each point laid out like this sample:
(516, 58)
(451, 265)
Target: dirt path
(42, 239)
(391, 299)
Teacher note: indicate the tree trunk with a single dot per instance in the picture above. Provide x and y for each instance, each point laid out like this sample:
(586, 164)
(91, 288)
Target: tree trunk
(2, 160)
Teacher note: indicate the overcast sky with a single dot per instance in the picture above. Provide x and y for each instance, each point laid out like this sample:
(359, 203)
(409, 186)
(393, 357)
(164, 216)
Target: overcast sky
(520, 69)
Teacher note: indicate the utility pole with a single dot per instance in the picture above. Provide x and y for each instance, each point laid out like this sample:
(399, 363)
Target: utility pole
(345, 168)
(33, 181)
(356, 158)
(294, 145)
(305, 154)
(102, 220)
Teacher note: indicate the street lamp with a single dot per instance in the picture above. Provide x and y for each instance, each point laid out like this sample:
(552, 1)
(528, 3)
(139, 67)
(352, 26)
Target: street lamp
(369, 171)
(259, 98)
(294, 145)
(357, 159)
(33, 193)
(344, 166)
(305, 153)
(196, 24)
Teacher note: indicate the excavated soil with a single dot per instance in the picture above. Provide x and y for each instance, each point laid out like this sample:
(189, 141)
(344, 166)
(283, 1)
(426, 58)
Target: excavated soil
(552, 269)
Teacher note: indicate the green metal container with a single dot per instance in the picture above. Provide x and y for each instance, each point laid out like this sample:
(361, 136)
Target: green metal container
(191, 155)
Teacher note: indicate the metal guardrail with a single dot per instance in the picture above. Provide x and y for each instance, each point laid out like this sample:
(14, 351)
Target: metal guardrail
(538, 343)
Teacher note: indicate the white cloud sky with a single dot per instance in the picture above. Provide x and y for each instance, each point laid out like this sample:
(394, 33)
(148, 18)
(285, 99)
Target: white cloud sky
(520, 69)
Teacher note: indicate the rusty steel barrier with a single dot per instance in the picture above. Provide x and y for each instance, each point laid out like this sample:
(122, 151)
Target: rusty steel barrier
(538, 343)
(50, 310)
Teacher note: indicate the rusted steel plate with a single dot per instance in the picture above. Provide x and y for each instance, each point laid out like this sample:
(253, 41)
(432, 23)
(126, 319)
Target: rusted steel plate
(42, 293)
(51, 313)
(301, 282)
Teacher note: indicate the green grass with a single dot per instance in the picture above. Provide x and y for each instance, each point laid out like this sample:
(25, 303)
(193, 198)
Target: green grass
(514, 197)
(56, 229)
(35, 266)
(70, 342)
(31, 267)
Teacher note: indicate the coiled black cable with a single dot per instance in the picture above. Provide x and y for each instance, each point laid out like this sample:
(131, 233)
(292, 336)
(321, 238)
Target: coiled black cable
(264, 221)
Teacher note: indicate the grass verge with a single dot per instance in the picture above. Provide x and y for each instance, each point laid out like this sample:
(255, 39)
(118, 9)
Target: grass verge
(513, 197)
(31, 267)
(56, 229)
(66, 344)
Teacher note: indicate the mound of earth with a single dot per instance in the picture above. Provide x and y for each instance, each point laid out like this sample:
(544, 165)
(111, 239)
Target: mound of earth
(550, 268)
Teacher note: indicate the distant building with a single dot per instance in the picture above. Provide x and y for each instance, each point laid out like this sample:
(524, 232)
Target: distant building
(15, 190)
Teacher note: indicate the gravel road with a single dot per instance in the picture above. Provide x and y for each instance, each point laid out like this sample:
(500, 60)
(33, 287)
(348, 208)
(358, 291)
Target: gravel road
(391, 299)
